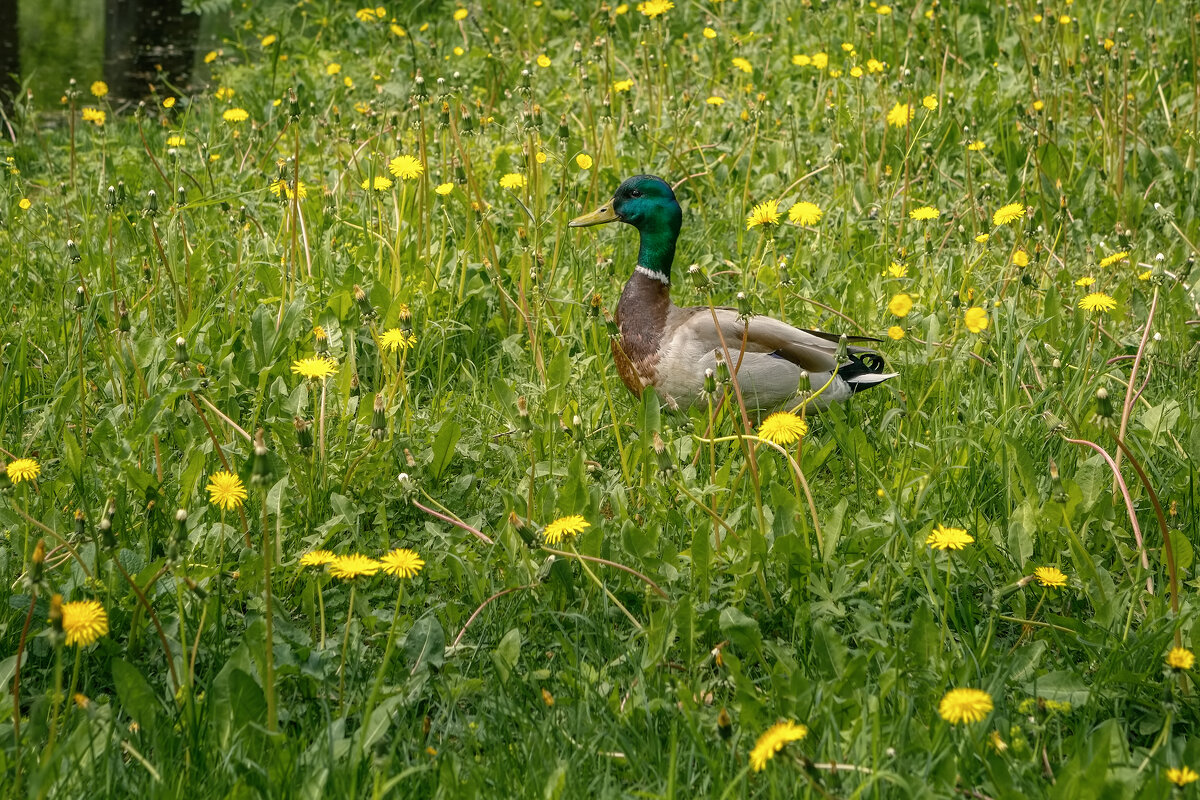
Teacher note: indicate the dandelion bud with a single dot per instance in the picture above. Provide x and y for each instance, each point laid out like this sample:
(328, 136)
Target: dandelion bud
(107, 539)
(123, 324)
(523, 421)
(722, 368)
(610, 325)
(378, 420)
(320, 339)
(803, 382)
(56, 618)
(120, 192)
(955, 300)
(196, 589)
(112, 198)
(843, 347)
(80, 299)
(1104, 407)
(152, 203)
(409, 461)
(181, 196)
(699, 278)
(564, 132)
(785, 277)
(710, 382)
(408, 486)
(260, 473)
(294, 102)
(73, 252)
(1056, 365)
(364, 304)
(525, 82)
(467, 127)
(181, 353)
(37, 564)
(80, 522)
(354, 133)
(445, 118)
(743, 304)
(724, 724)
(304, 437)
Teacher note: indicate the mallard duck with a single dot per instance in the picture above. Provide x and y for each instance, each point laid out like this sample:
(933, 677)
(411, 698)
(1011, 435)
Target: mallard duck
(672, 348)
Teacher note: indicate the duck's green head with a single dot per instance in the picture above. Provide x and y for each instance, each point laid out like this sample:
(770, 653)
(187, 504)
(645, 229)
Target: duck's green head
(647, 203)
(644, 201)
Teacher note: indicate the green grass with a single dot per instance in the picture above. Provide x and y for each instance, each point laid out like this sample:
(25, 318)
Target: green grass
(503, 669)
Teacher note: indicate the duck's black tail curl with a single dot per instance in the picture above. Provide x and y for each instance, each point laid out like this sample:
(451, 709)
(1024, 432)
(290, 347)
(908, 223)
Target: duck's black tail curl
(864, 370)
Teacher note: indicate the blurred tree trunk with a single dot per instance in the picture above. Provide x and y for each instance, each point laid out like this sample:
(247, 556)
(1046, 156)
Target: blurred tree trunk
(10, 51)
(142, 37)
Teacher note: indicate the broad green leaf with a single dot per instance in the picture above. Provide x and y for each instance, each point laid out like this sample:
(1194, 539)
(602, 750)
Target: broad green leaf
(506, 653)
(443, 447)
(425, 645)
(135, 694)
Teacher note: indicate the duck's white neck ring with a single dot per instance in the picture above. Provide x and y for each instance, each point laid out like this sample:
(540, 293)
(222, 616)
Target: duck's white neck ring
(654, 274)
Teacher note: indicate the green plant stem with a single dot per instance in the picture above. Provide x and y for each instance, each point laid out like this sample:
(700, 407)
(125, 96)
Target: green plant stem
(345, 645)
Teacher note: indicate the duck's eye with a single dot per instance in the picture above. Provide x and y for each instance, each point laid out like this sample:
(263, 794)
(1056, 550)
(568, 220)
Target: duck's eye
(635, 193)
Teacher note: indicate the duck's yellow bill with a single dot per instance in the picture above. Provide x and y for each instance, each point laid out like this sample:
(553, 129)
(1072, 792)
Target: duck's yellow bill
(601, 215)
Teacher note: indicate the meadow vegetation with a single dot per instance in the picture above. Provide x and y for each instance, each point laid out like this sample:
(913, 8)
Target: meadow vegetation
(319, 479)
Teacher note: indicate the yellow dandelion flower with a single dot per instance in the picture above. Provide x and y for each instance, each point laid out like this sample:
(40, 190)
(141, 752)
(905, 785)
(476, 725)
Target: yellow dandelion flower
(176, 141)
(965, 705)
(584, 161)
(226, 490)
(622, 86)
(23, 469)
(900, 305)
(655, 8)
(460, 14)
(99, 88)
(897, 270)
(317, 558)
(84, 622)
(1050, 577)
(224, 93)
(543, 61)
(765, 213)
(1085, 281)
(801, 60)
(380, 184)
(943, 538)
(1108, 261)
(268, 40)
(1098, 301)
(774, 740)
(353, 566)
(883, 11)
(94, 115)
(1180, 658)
(315, 367)
(900, 115)
(982, 238)
(333, 68)
(236, 115)
(394, 339)
(282, 187)
(563, 527)
(743, 65)
(805, 213)
(895, 332)
(782, 427)
(820, 60)
(444, 188)
(366, 15)
(1145, 276)
(406, 168)
(715, 100)
(874, 66)
(402, 563)
(1020, 258)
(24, 203)
(1009, 213)
(976, 319)
(930, 102)
(513, 180)
(925, 212)
(976, 146)
(210, 56)
(709, 33)
(1182, 776)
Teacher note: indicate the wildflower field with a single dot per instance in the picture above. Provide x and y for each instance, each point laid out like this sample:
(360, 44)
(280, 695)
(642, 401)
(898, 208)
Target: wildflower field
(319, 479)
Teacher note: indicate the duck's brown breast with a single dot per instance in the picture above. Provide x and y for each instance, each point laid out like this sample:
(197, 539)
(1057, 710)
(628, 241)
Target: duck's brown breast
(641, 314)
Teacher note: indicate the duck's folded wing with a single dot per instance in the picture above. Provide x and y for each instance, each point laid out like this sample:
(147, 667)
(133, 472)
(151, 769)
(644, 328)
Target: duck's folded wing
(807, 350)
